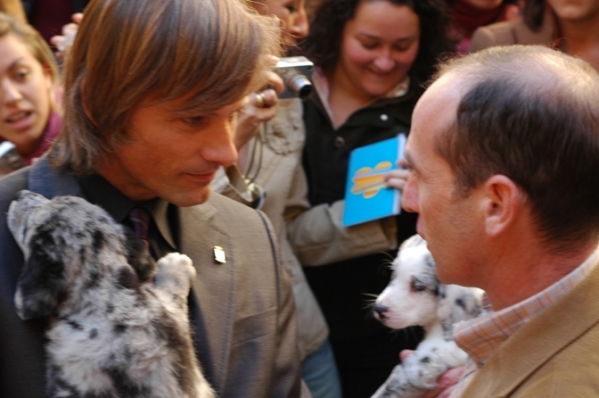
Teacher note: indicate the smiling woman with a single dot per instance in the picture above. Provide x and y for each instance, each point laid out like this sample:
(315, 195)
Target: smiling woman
(372, 57)
(27, 75)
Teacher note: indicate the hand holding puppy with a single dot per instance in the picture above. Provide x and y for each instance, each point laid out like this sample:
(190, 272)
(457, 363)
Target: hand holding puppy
(446, 382)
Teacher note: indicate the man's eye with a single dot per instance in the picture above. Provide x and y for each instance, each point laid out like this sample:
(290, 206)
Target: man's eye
(193, 120)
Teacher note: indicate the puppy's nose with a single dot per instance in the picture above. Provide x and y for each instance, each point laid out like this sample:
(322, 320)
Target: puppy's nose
(381, 309)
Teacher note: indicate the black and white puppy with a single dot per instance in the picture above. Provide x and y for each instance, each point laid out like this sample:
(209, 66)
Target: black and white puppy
(111, 333)
(415, 297)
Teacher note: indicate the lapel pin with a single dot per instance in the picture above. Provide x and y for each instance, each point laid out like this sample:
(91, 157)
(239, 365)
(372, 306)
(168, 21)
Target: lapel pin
(219, 255)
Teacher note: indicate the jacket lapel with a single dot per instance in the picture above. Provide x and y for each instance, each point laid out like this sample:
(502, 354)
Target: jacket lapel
(212, 290)
(538, 341)
(50, 182)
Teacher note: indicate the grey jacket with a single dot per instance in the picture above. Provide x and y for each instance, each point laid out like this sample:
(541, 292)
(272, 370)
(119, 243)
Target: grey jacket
(245, 331)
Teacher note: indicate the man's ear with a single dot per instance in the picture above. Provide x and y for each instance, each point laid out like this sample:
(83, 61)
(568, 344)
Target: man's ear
(502, 201)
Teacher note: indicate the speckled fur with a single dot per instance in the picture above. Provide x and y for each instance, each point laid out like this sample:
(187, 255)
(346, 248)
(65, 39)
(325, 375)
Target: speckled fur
(416, 297)
(112, 333)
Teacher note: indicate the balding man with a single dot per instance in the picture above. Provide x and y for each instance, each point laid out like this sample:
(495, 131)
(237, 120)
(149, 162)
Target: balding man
(504, 158)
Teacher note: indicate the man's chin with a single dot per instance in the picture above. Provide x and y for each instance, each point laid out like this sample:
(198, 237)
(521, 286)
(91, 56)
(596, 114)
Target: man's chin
(189, 199)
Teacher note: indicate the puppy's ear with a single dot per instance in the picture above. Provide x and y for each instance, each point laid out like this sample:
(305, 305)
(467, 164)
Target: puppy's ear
(456, 303)
(138, 257)
(41, 287)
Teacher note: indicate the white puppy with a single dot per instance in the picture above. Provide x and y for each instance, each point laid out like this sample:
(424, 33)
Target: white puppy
(415, 297)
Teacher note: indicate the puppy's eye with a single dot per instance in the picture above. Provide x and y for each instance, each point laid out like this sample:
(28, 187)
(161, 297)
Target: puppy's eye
(417, 286)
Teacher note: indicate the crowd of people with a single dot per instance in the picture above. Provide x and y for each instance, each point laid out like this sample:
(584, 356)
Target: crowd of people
(174, 107)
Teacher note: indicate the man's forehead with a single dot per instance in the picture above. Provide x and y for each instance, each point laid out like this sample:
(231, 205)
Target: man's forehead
(437, 108)
(445, 91)
(435, 112)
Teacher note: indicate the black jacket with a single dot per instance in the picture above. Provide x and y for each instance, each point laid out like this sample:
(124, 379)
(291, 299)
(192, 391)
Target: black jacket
(340, 287)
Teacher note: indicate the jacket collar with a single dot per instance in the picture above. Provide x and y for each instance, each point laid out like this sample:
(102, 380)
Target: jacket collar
(50, 182)
(536, 342)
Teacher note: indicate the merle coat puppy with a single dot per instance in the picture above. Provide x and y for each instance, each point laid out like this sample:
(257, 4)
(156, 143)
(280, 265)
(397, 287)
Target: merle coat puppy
(415, 297)
(112, 334)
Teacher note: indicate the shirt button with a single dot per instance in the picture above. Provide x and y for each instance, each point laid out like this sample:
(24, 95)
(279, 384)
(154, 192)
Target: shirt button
(384, 117)
(339, 141)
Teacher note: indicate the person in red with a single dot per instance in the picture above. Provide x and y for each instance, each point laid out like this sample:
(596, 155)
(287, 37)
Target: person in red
(469, 15)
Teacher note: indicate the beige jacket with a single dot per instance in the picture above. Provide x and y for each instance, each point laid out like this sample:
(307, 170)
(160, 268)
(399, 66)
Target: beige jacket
(553, 356)
(280, 144)
(514, 31)
(307, 235)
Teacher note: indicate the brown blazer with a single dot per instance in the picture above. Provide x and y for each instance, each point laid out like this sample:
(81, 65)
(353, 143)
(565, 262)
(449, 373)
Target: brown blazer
(513, 31)
(245, 331)
(555, 355)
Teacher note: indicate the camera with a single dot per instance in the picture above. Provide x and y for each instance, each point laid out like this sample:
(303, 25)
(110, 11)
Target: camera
(10, 160)
(294, 72)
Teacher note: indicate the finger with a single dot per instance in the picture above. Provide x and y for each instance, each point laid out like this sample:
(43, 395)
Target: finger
(69, 29)
(395, 183)
(54, 40)
(397, 173)
(404, 354)
(273, 60)
(270, 98)
(451, 377)
(77, 17)
(264, 99)
(275, 81)
(257, 100)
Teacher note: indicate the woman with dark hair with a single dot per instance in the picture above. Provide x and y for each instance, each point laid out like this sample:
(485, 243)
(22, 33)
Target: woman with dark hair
(372, 58)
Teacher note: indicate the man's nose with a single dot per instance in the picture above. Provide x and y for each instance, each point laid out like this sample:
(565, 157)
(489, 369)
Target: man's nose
(220, 148)
(409, 197)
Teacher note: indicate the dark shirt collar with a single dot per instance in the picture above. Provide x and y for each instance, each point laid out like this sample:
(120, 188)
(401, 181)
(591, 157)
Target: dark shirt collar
(102, 193)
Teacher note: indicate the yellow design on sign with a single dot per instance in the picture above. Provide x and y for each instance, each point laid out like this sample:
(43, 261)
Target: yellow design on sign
(368, 181)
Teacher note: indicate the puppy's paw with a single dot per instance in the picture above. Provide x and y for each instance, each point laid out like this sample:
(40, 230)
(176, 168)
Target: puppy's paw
(175, 274)
(423, 369)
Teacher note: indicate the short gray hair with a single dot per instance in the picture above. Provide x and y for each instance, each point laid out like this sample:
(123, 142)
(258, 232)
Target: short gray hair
(532, 114)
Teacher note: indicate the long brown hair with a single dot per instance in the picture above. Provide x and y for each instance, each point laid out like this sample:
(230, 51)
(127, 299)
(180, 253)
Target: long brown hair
(211, 52)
